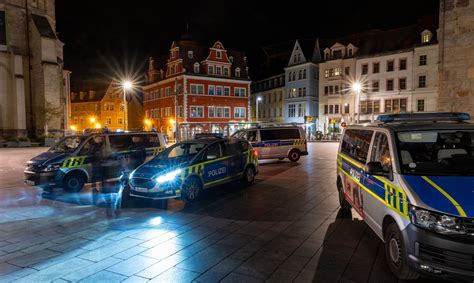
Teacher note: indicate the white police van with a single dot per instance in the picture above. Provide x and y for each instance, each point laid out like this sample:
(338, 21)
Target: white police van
(411, 178)
(276, 141)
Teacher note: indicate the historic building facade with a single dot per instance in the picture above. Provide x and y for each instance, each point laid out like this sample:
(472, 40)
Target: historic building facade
(208, 85)
(269, 94)
(31, 67)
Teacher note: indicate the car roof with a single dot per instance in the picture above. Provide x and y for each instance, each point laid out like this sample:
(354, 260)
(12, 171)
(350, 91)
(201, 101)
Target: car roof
(419, 125)
(211, 140)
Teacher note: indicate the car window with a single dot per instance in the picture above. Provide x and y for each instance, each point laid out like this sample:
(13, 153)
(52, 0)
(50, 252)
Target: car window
(279, 134)
(381, 151)
(152, 140)
(214, 151)
(120, 142)
(251, 136)
(356, 143)
(244, 145)
(233, 147)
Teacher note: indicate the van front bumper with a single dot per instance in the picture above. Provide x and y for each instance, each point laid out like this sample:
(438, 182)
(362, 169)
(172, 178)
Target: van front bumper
(439, 256)
(41, 178)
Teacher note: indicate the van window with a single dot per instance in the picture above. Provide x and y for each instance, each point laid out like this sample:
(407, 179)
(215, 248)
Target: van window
(279, 134)
(381, 151)
(356, 143)
(152, 141)
(251, 136)
(233, 147)
(120, 142)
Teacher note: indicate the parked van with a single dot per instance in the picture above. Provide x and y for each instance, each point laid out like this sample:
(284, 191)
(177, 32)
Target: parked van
(411, 178)
(79, 159)
(276, 142)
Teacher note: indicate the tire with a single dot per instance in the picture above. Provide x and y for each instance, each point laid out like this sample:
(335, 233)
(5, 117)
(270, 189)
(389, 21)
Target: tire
(281, 158)
(192, 189)
(248, 177)
(74, 182)
(396, 254)
(294, 155)
(345, 205)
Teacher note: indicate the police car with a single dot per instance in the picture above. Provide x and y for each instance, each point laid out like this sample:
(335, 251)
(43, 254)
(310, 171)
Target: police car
(287, 141)
(79, 159)
(411, 178)
(186, 168)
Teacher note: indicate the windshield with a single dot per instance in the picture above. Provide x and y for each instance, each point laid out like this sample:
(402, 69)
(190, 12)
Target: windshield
(436, 152)
(67, 144)
(181, 152)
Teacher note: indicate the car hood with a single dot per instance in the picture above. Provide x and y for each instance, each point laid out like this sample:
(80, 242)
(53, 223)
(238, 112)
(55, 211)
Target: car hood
(47, 158)
(449, 194)
(152, 169)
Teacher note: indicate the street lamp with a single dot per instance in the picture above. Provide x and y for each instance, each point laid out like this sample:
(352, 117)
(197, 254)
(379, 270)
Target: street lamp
(126, 85)
(357, 87)
(259, 98)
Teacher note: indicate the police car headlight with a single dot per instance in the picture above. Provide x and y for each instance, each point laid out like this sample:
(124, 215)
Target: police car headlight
(168, 176)
(52, 167)
(436, 222)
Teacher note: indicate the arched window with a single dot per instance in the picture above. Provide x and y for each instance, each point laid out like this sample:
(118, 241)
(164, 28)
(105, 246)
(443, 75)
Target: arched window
(196, 67)
(299, 75)
(304, 74)
(237, 72)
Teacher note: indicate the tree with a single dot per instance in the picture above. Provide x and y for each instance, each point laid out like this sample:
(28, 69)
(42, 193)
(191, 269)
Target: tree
(47, 114)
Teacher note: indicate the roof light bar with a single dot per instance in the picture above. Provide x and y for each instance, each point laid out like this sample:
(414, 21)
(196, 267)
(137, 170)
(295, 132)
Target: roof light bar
(435, 116)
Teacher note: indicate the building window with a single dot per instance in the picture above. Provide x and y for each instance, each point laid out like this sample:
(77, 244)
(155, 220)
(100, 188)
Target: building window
(108, 121)
(299, 75)
(190, 54)
(325, 109)
(219, 90)
(210, 111)
(396, 105)
(331, 109)
(291, 110)
(336, 109)
(211, 90)
(422, 81)
(237, 72)
(196, 112)
(293, 77)
(376, 68)
(365, 69)
(369, 106)
(227, 112)
(120, 121)
(180, 111)
(239, 112)
(346, 108)
(218, 55)
(218, 70)
(402, 83)
(211, 70)
(326, 73)
(337, 71)
(336, 89)
(390, 66)
(337, 54)
(420, 105)
(425, 38)
(423, 60)
(402, 64)
(326, 90)
(226, 91)
(292, 93)
(347, 71)
(196, 68)
(196, 89)
(389, 85)
(375, 86)
(301, 110)
(226, 71)
(304, 74)
(239, 91)
(350, 52)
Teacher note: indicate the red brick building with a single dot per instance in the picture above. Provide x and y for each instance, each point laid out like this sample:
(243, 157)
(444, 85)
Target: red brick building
(213, 89)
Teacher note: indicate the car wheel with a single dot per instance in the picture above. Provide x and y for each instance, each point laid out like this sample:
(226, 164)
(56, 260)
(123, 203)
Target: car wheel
(248, 177)
(192, 188)
(345, 205)
(396, 254)
(294, 155)
(74, 183)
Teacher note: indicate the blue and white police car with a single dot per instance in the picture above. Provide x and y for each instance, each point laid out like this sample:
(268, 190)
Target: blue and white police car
(186, 168)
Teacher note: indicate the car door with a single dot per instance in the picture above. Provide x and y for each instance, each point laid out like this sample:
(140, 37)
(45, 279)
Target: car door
(236, 157)
(270, 140)
(215, 164)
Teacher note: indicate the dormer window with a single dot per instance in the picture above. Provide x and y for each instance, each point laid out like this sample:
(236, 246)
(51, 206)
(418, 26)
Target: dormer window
(231, 59)
(218, 55)
(211, 70)
(237, 72)
(349, 52)
(190, 54)
(219, 70)
(196, 67)
(426, 36)
(337, 54)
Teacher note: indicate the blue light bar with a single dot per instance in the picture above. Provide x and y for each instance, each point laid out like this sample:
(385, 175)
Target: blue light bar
(209, 135)
(434, 116)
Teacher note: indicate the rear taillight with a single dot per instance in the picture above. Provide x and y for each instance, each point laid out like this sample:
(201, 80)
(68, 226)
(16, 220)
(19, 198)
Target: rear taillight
(255, 153)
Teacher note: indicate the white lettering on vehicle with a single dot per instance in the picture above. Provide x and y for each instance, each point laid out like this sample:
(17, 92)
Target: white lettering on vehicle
(354, 174)
(217, 171)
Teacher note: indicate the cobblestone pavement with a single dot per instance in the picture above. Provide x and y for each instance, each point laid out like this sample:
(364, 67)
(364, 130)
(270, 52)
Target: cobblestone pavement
(286, 227)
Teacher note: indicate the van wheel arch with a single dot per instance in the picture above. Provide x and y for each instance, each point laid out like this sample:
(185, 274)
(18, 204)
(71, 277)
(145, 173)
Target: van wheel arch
(388, 219)
(75, 173)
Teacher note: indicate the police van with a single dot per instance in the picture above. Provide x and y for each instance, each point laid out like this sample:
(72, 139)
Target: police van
(79, 159)
(411, 178)
(185, 169)
(276, 141)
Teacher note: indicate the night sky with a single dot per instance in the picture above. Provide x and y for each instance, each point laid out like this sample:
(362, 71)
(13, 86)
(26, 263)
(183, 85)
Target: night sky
(114, 38)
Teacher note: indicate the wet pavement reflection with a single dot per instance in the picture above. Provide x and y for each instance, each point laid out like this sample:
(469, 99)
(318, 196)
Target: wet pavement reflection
(286, 227)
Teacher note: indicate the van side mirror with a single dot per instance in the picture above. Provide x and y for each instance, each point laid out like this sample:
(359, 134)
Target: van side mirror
(375, 168)
(211, 157)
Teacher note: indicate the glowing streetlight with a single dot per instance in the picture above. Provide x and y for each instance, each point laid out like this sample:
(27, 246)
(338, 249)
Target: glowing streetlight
(259, 98)
(172, 121)
(73, 128)
(126, 86)
(92, 119)
(357, 88)
(147, 123)
(97, 125)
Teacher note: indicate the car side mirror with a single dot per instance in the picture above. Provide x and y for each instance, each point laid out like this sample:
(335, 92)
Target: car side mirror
(375, 168)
